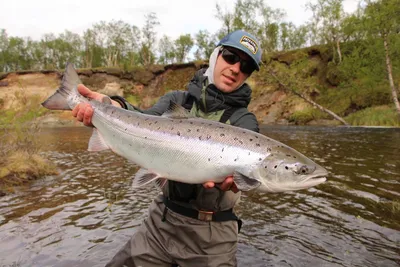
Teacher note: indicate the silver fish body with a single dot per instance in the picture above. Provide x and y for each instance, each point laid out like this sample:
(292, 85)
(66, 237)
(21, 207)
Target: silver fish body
(178, 147)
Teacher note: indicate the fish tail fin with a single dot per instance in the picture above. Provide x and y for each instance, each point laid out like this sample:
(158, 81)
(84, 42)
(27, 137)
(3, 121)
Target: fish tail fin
(69, 83)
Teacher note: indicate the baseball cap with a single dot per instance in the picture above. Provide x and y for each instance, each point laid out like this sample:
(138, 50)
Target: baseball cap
(245, 42)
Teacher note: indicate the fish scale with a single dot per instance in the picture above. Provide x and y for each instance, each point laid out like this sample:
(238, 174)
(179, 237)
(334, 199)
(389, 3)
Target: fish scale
(182, 148)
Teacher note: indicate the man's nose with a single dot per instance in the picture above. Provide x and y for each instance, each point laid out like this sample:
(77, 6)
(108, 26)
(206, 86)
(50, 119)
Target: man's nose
(235, 67)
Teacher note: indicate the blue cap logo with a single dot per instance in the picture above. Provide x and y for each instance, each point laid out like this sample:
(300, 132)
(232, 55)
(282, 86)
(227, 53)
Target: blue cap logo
(249, 43)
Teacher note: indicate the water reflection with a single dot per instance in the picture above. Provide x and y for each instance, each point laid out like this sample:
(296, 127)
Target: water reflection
(85, 214)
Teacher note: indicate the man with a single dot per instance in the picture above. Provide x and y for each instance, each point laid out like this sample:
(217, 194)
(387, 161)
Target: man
(194, 225)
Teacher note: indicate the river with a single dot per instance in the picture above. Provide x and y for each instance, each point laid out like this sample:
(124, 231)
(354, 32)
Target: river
(82, 216)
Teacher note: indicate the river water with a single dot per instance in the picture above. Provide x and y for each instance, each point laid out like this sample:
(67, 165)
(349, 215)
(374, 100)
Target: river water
(82, 216)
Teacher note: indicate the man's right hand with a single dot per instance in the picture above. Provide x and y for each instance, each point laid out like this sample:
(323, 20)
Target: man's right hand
(84, 111)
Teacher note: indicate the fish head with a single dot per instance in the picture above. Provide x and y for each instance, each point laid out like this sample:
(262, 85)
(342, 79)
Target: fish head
(285, 169)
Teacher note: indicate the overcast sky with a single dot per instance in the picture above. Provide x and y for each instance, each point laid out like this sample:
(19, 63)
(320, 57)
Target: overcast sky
(34, 18)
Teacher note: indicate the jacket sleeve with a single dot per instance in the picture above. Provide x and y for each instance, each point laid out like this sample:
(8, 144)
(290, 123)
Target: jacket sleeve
(245, 120)
(158, 108)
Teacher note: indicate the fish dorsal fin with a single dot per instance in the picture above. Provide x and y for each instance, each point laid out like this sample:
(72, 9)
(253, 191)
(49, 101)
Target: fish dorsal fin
(176, 111)
(144, 177)
(245, 183)
(106, 100)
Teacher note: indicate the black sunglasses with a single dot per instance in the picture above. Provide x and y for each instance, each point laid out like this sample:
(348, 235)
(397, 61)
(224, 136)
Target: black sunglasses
(231, 58)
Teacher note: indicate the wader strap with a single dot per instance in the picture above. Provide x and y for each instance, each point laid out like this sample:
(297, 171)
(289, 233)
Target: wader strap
(220, 216)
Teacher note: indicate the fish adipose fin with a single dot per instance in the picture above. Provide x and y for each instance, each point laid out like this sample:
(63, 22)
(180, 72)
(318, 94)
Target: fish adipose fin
(58, 101)
(245, 183)
(176, 111)
(96, 142)
(144, 176)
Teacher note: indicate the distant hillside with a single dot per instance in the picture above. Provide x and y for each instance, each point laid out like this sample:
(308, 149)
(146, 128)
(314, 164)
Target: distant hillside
(309, 71)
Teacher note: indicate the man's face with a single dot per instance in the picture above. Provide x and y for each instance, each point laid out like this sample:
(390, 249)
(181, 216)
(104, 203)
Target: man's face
(228, 75)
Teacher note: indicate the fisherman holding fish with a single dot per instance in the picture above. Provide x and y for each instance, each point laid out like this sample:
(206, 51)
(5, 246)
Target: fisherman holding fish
(204, 165)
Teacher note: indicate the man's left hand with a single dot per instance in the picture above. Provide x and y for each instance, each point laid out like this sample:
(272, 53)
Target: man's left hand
(226, 185)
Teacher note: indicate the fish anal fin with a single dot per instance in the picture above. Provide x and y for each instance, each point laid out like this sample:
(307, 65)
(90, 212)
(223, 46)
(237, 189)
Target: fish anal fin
(144, 177)
(96, 142)
(245, 183)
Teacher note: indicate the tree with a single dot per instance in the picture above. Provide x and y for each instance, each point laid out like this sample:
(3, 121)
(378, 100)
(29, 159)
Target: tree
(183, 44)
(326, 22)
(382, 21)
(149, 39)
(166, 50)
(205, 44)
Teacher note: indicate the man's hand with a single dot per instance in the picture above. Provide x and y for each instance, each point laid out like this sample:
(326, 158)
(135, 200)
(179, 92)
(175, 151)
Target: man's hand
(226, 185)
(83, 111)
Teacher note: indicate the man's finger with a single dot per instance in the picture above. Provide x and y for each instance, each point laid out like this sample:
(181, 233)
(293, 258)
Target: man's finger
(83, 90)
(208, 185)
(87, 117)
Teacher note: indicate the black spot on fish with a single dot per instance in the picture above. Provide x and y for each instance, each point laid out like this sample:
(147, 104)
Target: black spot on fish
(295, 157)
(222, 135)
(188, 130)
(209, 159)
(286, 167)
(251, 140)
(198, 130)
(200, 137)
(256, 136)
(158, 128)
(287, 155)
(150, 123)
(275, 166)
(191, 122)
(208, 137)
(265, 167)
(258, 145)
(235, 138)
(259, 159)
(178, 133)
(146, 119)
(241, 142)
(126, 129)
(145, 137)
(172, 128)
(221, 127)
(223, 149)
(180, 121)
(155, 122)
(269, 149)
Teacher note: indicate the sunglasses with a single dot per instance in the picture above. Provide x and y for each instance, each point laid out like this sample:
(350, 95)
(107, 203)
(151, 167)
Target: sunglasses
(231, 58)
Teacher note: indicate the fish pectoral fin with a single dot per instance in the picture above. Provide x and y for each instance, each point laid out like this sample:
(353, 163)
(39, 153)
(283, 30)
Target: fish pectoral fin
(176, 111)
(160, 182)
(96, 142)
(245, 183)
(144, 176)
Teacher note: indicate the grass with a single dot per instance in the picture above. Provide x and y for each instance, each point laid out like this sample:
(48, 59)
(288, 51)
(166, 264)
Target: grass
(375, 116)
(20, 159)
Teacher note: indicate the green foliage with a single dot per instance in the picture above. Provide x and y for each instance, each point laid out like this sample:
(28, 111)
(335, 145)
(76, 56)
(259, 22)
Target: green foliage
(134, 100)
(304, 116)
(375, 116)
(183, 44)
